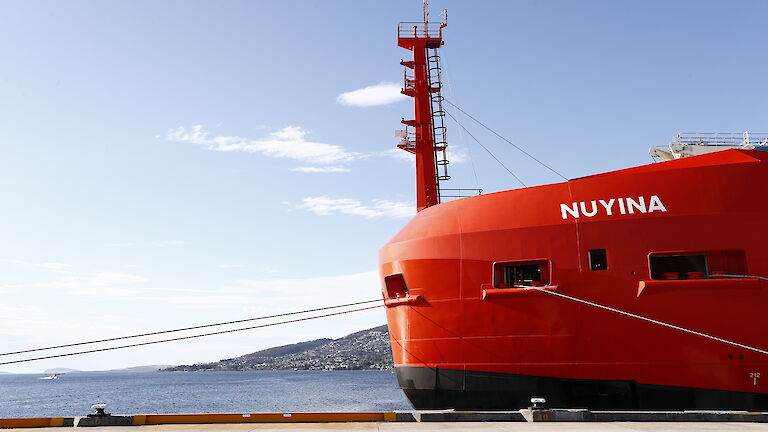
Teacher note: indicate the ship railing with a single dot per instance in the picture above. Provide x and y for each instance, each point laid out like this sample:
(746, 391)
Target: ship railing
(408, 134)
(409, 81)
(407, 139)
(721, 138)
(459, 193)
(431, 30)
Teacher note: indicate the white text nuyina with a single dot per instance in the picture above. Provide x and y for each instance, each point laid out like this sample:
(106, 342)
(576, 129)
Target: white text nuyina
(612, 206)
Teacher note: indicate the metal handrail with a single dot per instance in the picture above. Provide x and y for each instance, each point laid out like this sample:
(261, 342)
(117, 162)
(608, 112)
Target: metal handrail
(409, 80)
(721, 138)
(432, 30)
(459, 193)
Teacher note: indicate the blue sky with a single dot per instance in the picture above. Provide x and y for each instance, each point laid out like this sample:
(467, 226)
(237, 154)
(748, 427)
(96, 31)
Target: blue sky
(182, 162)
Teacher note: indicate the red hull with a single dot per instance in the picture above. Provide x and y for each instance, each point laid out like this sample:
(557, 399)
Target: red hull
(712, 205)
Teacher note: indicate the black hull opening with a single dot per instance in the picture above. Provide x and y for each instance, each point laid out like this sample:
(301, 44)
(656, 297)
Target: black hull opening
(434, 388)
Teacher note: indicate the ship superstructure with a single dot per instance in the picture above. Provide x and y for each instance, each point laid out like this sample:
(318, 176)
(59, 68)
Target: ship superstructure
(642, 288)
(425, 134)
(694, 144)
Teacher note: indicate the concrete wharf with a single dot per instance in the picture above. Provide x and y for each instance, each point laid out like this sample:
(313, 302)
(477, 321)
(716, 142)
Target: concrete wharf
(418, 421)
(438, 427)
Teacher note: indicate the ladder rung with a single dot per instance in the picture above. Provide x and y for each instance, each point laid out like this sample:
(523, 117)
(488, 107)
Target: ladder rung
(434, 75)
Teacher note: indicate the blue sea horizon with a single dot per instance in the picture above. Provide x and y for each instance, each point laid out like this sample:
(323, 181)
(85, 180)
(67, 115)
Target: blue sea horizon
(26, 395)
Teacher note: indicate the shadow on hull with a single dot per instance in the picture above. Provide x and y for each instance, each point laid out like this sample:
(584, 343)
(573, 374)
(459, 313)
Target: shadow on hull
(429, 388)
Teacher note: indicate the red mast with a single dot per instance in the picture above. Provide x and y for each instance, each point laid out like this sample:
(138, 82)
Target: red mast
(424, 136)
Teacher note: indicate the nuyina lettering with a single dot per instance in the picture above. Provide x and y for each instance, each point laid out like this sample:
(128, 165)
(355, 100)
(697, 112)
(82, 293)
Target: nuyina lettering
(612, 206)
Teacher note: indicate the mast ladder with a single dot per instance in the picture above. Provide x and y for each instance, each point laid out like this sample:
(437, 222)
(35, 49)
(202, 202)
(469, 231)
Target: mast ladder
(434, 74)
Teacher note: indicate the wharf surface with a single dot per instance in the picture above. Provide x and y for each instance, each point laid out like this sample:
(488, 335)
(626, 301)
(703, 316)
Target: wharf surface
(438, 427)
(419, 421)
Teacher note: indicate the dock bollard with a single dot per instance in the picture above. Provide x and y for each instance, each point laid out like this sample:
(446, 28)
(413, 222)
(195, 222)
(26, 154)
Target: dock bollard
(539, 403)
(102, 418)
(100, 410)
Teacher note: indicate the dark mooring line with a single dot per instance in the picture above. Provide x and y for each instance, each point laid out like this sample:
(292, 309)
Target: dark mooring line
(187, 328)
(190, 337)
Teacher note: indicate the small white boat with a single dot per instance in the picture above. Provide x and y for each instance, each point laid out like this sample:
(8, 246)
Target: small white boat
(50, 377)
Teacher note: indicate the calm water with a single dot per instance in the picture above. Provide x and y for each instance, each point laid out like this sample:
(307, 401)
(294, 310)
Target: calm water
(199, 392)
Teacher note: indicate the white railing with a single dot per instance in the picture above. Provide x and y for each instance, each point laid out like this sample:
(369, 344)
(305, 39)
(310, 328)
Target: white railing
(720, 138)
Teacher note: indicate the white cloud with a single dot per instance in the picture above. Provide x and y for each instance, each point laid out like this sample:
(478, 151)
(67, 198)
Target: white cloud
(321, 169)
(266, 295)
(87, 280)
(53, 266)
(76, 282)
(289, 142)
(118, 244)
(380, 94)
(168, 243)
(325, 206)
(350, 287)
(456, 155)
(27, 325)
(398, 154)
(30, 323)
(159, 243)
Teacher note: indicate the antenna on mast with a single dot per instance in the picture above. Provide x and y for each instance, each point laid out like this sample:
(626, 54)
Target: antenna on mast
(426, 11)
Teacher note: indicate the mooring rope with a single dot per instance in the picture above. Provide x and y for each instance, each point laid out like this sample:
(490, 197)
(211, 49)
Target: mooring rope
(654, 321)
(190, 337)
(550, 292)
(188, 328)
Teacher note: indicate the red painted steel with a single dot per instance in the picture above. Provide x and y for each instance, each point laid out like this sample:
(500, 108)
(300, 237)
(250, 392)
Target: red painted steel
(417, 37)
(712, 202)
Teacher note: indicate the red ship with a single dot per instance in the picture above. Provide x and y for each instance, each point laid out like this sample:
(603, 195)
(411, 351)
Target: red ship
(632, 289)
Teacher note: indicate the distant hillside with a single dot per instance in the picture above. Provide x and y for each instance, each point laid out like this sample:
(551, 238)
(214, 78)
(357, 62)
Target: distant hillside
(133, 369)
(147, 368)
(366, 349)
(61, 370)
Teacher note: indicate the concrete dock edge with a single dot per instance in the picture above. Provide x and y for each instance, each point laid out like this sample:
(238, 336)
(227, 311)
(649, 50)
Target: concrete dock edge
(583, 415)
(525, 415)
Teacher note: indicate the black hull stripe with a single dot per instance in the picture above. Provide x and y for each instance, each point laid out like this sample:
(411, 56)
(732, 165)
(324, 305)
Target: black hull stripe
(429, 388)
